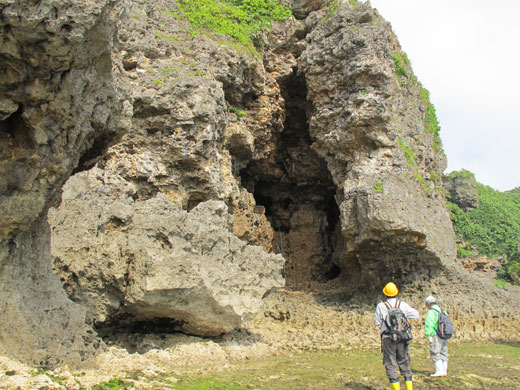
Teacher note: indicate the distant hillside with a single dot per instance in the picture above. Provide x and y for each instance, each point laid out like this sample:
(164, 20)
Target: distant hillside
(491, 229)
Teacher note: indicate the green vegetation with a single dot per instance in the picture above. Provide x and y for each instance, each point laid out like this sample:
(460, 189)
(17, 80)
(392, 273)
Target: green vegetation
(168, 37)
(463, 252)
(405, 79)
(378, 188)
(401, 62)
(471, 365)
(237, 111)
(431, 123)
(208, 384)
(463, 173)
(241, 20)
(332, 9)
(113, 384)
(493, 229)
(474, 365)
(500, 283)
(430, 120)
(410, 155)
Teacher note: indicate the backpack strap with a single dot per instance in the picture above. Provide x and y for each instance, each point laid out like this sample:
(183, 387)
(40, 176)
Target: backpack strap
(397, 303)
(438, 311)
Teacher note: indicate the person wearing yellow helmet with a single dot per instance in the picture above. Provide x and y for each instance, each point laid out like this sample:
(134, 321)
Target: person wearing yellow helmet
(391, 317)
(390, 290)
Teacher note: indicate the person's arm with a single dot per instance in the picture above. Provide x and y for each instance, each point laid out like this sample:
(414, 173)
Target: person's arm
(378, 316)
(409, 311)
(430, 324)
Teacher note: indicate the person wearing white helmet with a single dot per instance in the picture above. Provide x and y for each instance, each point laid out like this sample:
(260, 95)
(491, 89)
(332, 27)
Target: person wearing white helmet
(395, 352)
(438, 346)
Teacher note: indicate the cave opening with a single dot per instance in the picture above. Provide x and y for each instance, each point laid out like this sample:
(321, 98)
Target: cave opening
(298, 193)
(16, 132)
(17, 151)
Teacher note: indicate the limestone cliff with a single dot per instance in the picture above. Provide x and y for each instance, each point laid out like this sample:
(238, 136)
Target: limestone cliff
(58, 97)
(204, 175)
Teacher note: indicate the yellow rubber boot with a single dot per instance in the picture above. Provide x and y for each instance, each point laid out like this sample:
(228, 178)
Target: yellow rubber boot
(408, 385)
(395, 386)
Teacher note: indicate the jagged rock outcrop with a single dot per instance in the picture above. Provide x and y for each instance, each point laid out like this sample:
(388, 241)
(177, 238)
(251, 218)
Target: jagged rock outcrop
(59, 102)
(199, 166)
(461, 187)
(368, 123)
(129, 262)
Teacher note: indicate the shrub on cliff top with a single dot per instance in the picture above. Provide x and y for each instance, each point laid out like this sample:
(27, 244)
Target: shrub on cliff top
(238, 19)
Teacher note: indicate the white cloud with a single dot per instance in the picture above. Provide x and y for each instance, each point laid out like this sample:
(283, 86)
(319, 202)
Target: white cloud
(465, 52)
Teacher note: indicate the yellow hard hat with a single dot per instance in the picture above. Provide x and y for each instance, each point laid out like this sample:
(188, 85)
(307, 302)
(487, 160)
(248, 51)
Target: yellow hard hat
(390, 290)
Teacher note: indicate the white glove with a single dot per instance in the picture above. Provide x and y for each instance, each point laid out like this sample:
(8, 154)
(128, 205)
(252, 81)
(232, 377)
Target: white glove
(431, 339)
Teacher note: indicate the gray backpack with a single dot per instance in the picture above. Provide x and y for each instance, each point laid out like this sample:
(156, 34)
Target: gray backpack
(445, 326)
(398, 326)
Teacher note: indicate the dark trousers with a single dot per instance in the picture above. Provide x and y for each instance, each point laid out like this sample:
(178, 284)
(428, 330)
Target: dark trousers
(396, 354)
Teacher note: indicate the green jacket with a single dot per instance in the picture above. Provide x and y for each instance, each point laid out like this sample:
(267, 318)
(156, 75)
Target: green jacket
(432, 321)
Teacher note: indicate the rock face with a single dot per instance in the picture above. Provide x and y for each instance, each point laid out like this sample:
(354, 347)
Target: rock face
(201, 171)
(58, 103)
(130, 262)
(462, 189)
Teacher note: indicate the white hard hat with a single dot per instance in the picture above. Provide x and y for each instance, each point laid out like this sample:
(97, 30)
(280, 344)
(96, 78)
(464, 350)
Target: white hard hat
(430, 299)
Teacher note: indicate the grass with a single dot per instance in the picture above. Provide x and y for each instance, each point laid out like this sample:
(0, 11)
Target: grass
(241, 20)
(113, 384)
(472, 365)
(401, 62)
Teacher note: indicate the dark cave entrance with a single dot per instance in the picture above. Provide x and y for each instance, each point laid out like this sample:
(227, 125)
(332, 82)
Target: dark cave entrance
(298, 193)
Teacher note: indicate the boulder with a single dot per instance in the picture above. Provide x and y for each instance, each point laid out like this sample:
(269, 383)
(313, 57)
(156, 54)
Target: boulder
(130, 262)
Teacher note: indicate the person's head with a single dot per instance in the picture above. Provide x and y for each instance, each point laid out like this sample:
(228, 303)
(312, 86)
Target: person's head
(390, 290)
(430, 301)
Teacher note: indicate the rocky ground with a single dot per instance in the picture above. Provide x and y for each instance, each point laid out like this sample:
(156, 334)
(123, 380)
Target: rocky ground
(290, 322)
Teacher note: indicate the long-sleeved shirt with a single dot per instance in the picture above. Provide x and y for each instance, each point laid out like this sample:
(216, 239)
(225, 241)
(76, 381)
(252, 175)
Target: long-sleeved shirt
(432, 321)
(382, 311)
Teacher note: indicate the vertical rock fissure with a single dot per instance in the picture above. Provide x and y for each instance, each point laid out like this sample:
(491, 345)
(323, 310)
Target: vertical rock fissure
(297, 191)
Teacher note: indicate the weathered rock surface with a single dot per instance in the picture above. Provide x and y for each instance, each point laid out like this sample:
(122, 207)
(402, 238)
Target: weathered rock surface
(129, 261)
(58, 98)
(461, 189)
(194, 159)
(369, 126)
(302, 8)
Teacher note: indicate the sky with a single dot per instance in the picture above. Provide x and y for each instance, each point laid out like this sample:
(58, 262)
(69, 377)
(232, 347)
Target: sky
(467, 54)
